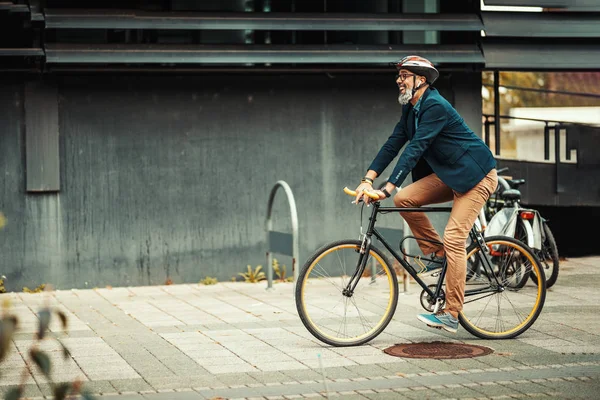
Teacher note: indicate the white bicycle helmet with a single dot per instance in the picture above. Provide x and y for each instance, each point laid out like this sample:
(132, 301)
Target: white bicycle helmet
(420, 66)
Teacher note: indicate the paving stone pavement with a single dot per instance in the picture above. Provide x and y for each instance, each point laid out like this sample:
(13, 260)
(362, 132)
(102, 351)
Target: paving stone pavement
(241, 341)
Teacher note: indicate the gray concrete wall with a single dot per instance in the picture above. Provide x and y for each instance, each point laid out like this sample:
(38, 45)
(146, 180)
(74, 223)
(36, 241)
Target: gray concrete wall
(169, 177)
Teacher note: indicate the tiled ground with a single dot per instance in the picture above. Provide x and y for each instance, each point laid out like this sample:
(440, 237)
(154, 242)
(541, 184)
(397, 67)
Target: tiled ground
(238, 340)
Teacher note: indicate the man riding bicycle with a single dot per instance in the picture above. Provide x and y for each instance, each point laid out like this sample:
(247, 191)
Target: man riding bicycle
(464, 171)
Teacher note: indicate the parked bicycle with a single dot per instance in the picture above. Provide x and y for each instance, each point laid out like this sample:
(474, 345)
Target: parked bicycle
(504, 213)
(347, 291)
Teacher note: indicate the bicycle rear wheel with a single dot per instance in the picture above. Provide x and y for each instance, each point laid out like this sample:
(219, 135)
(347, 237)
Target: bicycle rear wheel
(498, 302)
(549, 257)
(338, 317)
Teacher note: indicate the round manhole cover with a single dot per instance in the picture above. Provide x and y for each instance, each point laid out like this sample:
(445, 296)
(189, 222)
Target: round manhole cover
(438, 350)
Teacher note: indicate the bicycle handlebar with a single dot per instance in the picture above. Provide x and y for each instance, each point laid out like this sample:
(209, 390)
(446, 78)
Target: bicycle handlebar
(502, 182)
(353, 193)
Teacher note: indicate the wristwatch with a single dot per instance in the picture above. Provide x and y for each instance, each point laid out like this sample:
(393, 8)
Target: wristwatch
(384, 191)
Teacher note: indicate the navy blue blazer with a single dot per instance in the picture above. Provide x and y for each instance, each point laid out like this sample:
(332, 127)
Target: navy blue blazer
(455, 153)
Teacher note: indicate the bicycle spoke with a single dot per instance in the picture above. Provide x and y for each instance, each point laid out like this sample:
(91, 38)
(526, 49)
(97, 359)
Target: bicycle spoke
(328, 312)
(517, 312)
(325, 274)
(360, 316)
(343, 322)
(499, 321)
(366, 300)
(483, 310)
(515, 306)
(343, 268)
(482, 297)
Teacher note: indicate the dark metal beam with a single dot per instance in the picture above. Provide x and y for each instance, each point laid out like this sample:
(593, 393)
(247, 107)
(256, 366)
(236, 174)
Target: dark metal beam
(21, 52)
(210, 69)
(245, 54)
(36, 10)
(580, 5)
(543, 120)
(541, 57)
(497, 120)
(539, 90)
(12, 7)
(137, 19)
(547, 24)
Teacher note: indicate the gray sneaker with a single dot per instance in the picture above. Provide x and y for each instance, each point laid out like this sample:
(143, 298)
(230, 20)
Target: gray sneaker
(434, 265)
(442, 320)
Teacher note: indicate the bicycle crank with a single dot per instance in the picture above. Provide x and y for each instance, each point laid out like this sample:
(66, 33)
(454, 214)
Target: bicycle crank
(429, 303)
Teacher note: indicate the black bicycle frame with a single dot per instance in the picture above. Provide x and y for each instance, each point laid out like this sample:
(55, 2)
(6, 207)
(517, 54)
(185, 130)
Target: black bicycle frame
(476, 237)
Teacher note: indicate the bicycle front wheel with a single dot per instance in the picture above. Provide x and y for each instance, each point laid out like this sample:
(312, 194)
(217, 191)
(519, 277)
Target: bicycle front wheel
(330, 309)
(499, 304)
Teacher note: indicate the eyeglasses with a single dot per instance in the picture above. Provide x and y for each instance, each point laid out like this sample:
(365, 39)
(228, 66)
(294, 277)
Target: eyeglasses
(404, 76)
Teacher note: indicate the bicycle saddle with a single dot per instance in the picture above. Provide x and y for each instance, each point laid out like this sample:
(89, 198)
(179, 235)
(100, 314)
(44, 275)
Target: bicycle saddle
(511, 194)
(515, 183)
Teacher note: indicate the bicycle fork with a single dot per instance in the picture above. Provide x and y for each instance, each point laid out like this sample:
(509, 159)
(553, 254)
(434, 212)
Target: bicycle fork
(364, 251)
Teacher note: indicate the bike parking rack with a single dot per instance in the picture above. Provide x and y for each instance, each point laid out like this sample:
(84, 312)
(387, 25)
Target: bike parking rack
(279, 242)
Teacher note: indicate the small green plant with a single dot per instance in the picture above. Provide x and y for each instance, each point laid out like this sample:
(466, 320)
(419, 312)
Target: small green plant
(253, 276)
(38, 289)
(9, 324)
(209, 281)
(280, 272)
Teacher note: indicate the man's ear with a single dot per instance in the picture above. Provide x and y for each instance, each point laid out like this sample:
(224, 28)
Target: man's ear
(420, 83)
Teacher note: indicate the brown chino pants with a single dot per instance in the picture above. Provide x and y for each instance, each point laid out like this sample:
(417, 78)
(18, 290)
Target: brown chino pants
(465, 208)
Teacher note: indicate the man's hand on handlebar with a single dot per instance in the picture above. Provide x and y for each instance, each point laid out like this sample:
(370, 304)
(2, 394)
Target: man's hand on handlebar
(360, 192)
(365, 195)
(380, 194)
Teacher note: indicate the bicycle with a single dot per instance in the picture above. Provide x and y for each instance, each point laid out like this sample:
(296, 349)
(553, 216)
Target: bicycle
(344, 274)
(536, 234)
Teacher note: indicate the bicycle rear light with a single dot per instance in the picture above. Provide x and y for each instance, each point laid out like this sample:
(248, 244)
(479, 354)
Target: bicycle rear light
(527, 214)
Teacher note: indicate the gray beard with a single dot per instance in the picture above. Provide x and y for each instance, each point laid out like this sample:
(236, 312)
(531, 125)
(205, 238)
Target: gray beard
(404, 98)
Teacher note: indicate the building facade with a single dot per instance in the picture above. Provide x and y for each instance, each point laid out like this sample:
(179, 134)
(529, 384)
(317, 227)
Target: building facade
(140, 140)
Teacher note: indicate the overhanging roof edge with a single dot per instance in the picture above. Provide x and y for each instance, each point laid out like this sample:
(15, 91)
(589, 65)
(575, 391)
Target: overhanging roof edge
(242, 54)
